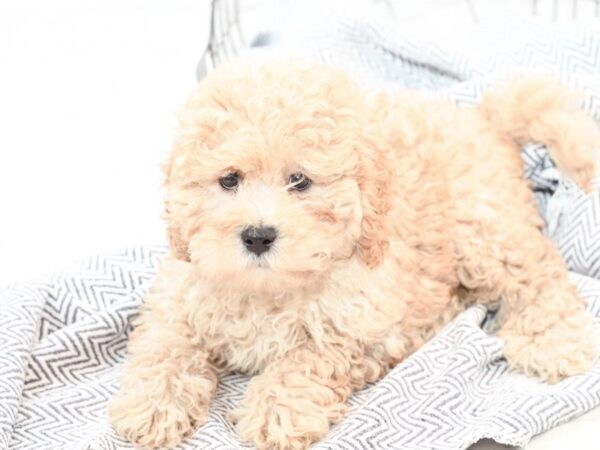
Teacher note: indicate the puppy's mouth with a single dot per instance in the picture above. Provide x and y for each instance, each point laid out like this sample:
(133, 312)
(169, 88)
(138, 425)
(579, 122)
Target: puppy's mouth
(262, 264)
(259, 263)
(262, 261)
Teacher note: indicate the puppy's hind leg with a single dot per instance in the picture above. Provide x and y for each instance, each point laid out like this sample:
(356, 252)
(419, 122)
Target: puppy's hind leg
(547, 331)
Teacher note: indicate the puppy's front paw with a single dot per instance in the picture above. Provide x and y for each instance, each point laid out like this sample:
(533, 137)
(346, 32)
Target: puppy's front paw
(564, 349)
(281, 419)
(149, 421)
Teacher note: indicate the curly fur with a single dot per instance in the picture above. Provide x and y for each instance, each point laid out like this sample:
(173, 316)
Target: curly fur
(418, 209)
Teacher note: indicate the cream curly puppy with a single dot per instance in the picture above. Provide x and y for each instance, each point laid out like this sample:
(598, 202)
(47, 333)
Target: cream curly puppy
(321, 233)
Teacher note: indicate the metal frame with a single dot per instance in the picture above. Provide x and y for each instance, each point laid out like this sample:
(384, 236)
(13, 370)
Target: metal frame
(226, 38)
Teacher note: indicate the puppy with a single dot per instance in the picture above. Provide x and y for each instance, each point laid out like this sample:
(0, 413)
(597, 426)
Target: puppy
(320, 234)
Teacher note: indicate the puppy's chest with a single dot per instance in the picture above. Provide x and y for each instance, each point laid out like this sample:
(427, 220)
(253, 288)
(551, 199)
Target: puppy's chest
(249, 335)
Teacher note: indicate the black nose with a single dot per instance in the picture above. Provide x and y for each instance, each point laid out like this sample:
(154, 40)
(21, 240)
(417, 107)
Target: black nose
(258, 240)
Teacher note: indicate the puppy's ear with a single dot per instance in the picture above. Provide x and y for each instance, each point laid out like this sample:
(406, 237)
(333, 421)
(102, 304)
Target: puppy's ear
(372, 177)
(179, 246)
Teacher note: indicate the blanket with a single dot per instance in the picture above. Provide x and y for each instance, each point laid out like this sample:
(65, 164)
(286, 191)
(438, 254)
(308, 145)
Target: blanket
(63, 340)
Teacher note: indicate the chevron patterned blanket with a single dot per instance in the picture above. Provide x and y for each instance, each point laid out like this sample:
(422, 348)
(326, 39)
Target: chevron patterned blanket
(63, 341)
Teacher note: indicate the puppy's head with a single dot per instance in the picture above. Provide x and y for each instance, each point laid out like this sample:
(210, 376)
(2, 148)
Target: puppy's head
(267, 185)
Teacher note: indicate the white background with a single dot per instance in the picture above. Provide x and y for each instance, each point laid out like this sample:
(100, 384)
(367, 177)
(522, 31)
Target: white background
(88, 96)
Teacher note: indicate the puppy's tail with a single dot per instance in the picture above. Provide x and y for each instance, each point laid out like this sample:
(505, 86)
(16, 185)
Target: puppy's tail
(539, 109)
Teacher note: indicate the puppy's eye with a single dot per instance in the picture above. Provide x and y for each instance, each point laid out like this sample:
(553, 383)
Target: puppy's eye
(299, 182)
(230, 181)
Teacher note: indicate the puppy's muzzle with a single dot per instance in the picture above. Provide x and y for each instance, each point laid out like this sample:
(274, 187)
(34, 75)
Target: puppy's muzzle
(258, 239)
